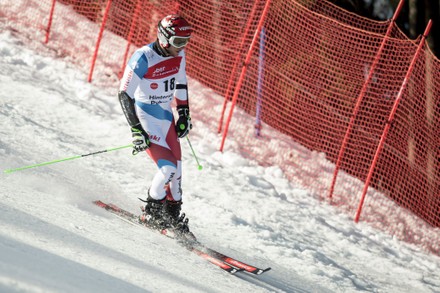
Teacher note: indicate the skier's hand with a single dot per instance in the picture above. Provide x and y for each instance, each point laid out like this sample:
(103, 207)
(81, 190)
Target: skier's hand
(183, 124)
(141, 141)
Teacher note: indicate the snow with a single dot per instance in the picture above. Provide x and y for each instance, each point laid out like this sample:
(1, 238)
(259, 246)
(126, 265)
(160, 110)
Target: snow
(53, 239)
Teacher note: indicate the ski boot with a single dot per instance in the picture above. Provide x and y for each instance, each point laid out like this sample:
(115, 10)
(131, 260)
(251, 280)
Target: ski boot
(177, 222)
(152, 215)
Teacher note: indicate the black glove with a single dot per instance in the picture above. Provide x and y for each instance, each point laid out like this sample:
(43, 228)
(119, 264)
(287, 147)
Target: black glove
(183, 124)
(141, 141)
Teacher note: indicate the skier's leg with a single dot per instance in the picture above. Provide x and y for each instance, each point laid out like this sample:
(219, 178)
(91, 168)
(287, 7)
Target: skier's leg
(167, 171)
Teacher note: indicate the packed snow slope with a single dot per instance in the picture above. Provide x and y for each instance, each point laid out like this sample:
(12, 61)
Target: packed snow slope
(53, 239)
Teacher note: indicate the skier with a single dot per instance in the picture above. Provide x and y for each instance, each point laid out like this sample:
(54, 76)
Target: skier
(154, 76)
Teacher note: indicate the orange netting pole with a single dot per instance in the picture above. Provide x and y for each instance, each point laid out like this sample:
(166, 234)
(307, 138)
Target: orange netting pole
(243, 71)
(130, 36)
(49, 24)
(361, 97)
(237, 60)
(98, 41)
(390, 120)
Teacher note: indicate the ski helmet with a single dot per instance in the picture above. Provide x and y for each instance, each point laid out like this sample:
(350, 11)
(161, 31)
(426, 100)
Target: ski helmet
(173, 30)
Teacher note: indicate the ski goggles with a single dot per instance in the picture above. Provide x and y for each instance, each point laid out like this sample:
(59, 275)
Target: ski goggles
(178, 42)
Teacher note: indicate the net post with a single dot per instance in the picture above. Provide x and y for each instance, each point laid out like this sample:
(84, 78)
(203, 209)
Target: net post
(98, 41)
(49, 24)
(243, 71)
(391, 119)
(360, 99)
(234, 68)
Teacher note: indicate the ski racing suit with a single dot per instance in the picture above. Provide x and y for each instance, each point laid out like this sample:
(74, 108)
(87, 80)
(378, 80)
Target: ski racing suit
(152, 81)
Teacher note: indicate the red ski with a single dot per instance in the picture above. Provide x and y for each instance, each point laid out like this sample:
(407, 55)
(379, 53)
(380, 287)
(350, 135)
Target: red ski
(227, 263)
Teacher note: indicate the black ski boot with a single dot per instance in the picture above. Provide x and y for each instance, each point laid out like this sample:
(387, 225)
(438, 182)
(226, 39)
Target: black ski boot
(177, 222)
(152, 215)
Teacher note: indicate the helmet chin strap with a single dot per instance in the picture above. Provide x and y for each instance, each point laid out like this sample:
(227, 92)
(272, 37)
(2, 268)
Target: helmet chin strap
(163, 51)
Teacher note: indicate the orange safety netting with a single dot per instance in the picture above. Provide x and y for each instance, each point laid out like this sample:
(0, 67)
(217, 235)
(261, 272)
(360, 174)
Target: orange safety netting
(317, 63)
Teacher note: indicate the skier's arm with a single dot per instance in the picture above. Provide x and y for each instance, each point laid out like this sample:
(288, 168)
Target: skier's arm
(134, 72)
(181, 92)
(183, 124)
(127, 105)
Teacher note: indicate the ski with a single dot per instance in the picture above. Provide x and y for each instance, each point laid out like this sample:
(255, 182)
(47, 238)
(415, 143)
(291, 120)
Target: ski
(226, 263)
(133, 219)
(224, 266)
(236, 263)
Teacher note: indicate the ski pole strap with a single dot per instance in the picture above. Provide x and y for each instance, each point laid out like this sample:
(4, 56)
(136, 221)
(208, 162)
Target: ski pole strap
(65, 159)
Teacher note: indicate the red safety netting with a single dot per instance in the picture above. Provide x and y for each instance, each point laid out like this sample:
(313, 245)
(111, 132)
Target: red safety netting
(322, 77)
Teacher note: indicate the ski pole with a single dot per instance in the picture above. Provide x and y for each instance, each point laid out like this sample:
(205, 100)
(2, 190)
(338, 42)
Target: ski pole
(66, 159)
(200, 167)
